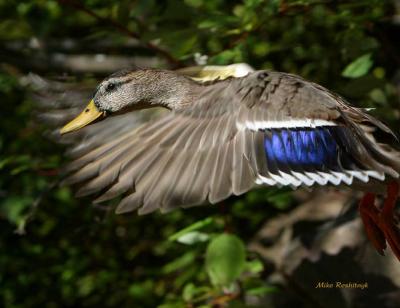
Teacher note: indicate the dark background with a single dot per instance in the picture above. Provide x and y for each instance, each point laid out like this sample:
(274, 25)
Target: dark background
(56, 250)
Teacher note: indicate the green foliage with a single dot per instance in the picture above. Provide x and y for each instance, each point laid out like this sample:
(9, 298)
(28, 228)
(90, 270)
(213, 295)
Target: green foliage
(225, 259)
(359, 67)
(192, 229)
(74, 254)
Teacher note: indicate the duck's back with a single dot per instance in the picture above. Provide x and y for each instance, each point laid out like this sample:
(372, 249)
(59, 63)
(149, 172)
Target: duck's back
(266, 128)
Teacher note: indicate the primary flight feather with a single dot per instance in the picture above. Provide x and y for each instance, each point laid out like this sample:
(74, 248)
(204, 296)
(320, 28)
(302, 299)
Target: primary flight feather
(225, 137)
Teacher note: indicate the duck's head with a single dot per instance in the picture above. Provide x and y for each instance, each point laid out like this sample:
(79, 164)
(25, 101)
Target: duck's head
(125, 91)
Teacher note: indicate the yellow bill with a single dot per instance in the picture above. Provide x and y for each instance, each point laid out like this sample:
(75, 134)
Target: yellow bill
(86, 117)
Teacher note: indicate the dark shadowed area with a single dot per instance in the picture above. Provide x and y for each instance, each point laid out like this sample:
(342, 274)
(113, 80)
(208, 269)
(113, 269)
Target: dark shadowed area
(268, 248)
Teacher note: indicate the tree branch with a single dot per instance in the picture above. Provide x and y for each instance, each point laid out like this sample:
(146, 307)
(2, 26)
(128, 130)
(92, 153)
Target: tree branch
(175, 63)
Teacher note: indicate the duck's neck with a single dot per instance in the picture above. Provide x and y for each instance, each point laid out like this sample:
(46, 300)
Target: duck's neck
(173, 91)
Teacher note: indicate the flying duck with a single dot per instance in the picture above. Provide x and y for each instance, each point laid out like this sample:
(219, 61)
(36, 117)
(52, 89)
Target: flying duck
(225, 136)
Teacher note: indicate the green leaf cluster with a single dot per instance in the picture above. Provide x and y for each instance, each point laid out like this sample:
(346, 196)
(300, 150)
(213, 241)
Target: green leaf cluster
(61, 251)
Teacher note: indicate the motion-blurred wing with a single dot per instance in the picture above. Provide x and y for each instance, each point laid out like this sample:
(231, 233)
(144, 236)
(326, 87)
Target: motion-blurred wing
(266, 128)
(60, 102)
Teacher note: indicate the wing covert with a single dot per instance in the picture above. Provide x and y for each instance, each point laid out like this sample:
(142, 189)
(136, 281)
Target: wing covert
(266, 128)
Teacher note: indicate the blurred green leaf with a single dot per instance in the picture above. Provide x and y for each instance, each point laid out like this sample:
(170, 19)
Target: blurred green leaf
(254, 266)
(193, 237)
(225, 259)
(196, 226)
(191, 292)
(14, 208)
(180, 262)
(261, 290)
(194, 3)
(359, 67)
(7, 82)
(377, 95)
(281, 199)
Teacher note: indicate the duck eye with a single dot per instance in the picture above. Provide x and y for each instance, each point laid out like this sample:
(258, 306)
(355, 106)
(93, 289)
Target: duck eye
(110, 87)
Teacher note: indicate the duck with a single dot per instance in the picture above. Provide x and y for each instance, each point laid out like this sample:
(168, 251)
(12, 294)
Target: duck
(230, 131)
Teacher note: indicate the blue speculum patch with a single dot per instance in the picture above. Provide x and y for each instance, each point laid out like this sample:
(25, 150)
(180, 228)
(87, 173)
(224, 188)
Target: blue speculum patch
(309, 148)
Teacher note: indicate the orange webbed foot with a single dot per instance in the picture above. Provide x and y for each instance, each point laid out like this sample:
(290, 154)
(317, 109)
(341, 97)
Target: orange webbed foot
(387, 222)
(380, 224)
(369, 215)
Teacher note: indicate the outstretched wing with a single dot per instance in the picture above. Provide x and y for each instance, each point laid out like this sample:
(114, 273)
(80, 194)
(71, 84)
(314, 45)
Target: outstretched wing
(60, 102)
(266, 128)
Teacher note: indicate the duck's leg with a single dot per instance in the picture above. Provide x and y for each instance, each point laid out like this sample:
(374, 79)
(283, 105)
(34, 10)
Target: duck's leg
(387, 223)
(379, 224)
(370, 217)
